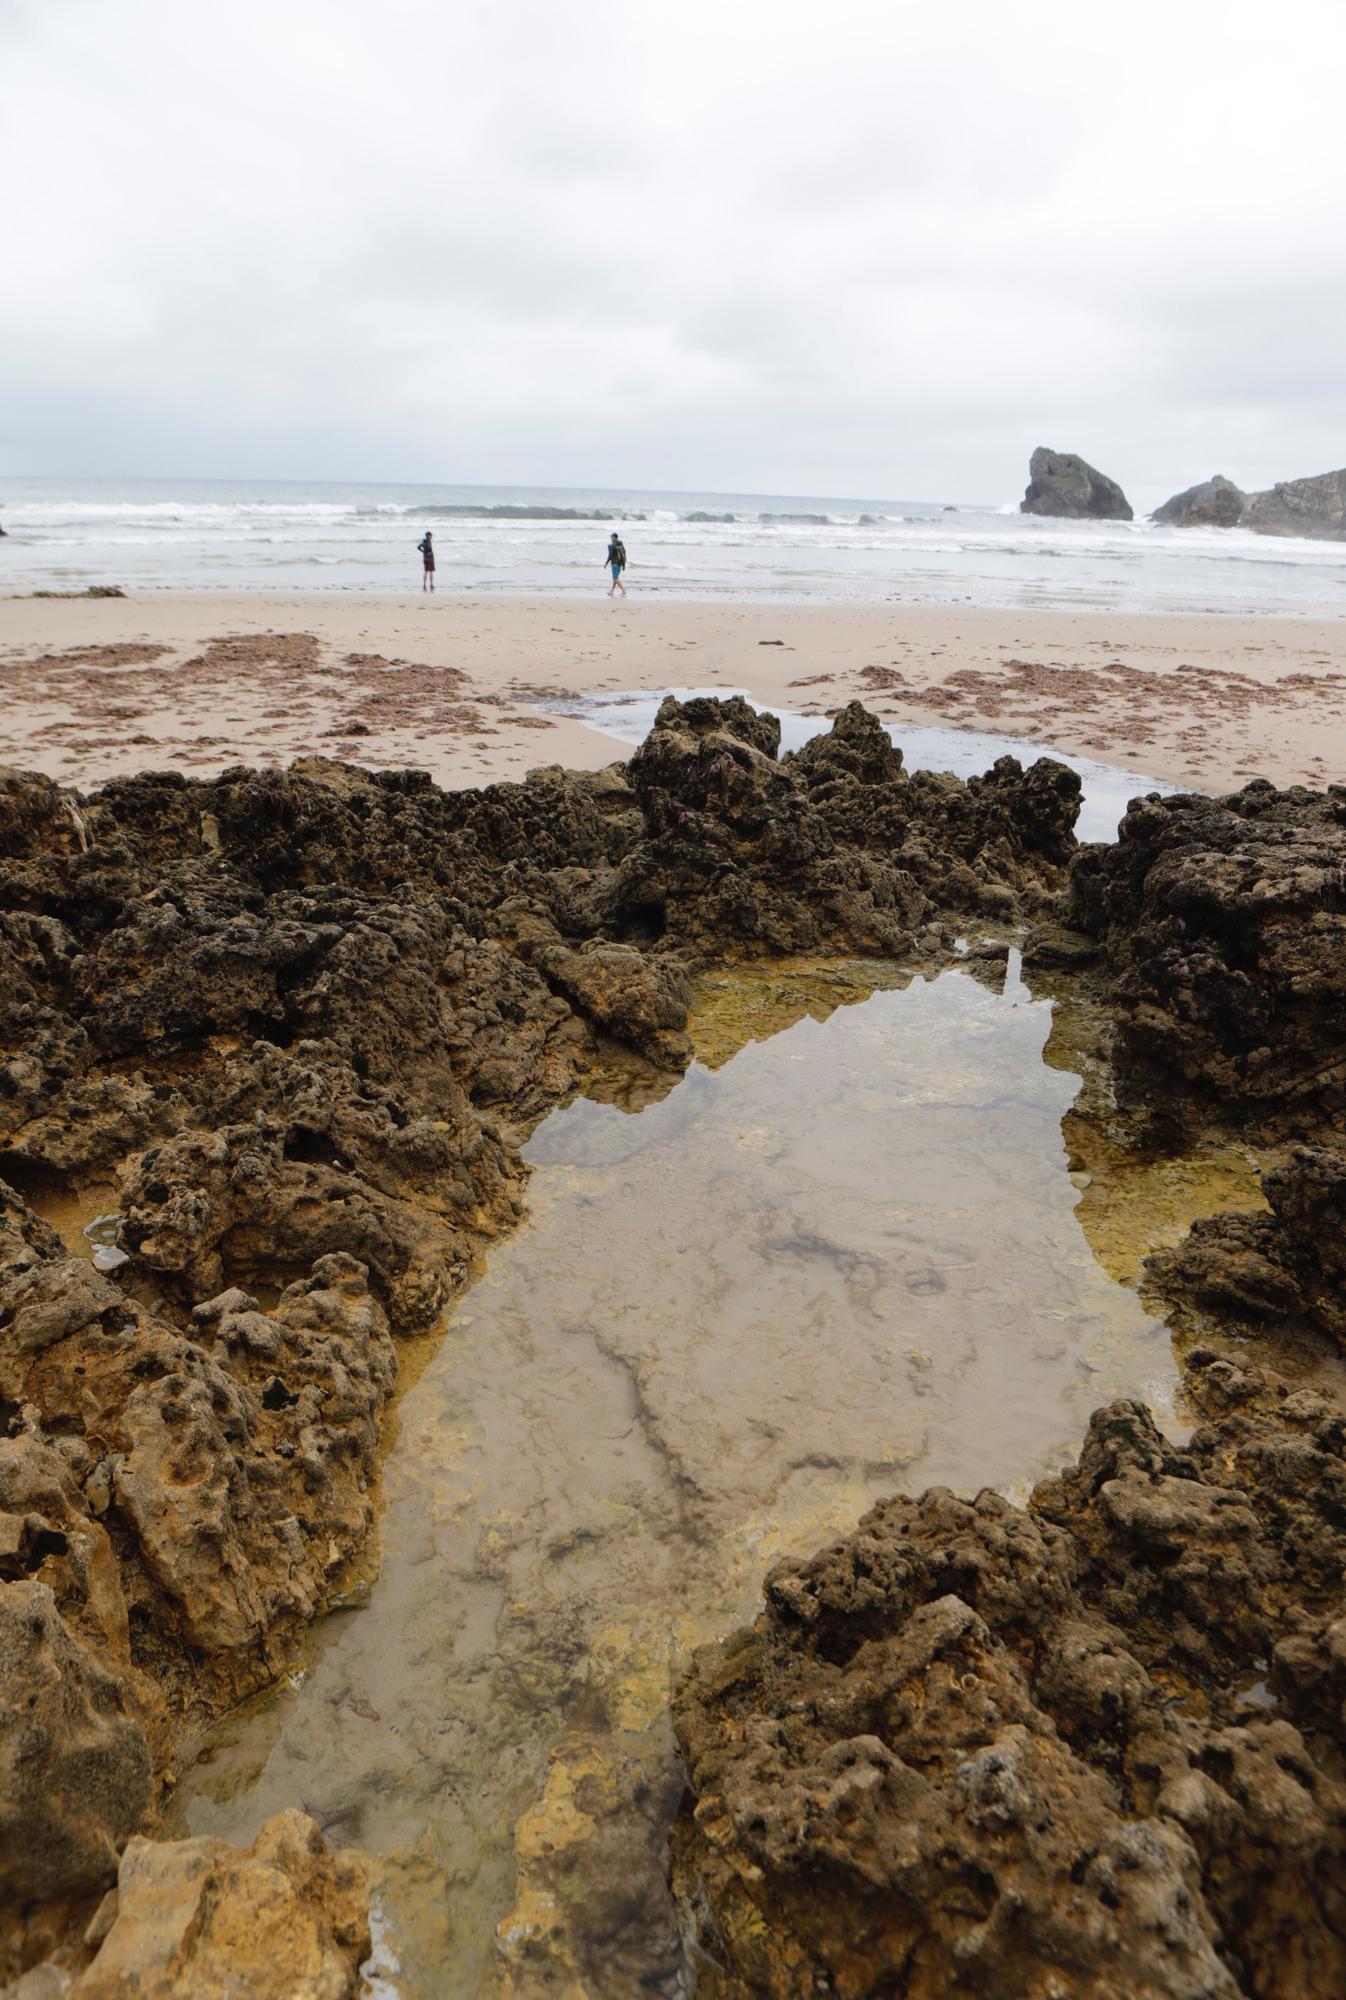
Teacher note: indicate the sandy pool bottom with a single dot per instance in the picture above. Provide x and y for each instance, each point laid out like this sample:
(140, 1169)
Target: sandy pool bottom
(841, 1257)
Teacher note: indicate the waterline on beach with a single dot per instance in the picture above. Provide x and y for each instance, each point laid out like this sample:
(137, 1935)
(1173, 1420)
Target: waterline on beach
(273, 535)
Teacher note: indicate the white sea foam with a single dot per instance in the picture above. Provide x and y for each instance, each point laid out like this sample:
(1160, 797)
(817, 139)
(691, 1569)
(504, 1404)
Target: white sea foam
(777, 548)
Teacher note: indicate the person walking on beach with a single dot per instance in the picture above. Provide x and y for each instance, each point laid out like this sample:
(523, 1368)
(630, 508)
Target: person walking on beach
(427, 553)
(616, 562)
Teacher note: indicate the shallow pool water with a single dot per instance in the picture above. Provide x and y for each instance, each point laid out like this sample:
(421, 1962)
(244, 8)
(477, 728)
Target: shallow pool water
(839, 1258)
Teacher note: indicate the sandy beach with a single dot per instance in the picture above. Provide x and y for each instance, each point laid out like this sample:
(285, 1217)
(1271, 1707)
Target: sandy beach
(199, 681)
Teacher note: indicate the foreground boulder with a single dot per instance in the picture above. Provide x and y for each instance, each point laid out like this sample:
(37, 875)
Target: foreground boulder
(174, 1503)
(235, 1458)
(1215, 503)
(1224, 926)
(202, 1920)
(1062, 483)
(1083, 1749)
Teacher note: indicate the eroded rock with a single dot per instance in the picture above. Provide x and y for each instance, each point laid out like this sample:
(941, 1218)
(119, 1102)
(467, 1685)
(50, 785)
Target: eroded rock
(1315, 507)
(1254, 1270)
(202, 1920)
(1224, 922)
(976, 1749)
(837, 846)
(235, 1461)
(75, 1768)
(301, 1020)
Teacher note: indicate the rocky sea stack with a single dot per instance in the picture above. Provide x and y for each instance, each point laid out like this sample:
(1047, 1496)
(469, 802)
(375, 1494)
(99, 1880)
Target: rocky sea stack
(1063, 484)
(1215, 503)
(1313, 507)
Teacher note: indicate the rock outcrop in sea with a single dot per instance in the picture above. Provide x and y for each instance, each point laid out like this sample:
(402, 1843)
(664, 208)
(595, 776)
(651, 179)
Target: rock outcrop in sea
(1314, 507)
(1062, 483)
(1214, 503)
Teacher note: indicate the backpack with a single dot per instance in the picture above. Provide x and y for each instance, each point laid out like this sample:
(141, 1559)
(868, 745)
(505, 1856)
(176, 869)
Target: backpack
(619, 552)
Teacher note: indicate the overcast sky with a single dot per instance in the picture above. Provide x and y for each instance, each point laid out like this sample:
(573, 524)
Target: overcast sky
(869, 248)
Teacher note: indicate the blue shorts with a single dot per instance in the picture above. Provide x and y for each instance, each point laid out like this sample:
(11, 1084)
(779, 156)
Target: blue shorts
(616, 569)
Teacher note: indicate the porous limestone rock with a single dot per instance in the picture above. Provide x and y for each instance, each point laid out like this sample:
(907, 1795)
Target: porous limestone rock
(199, 1919)
(236, 1460)
(834, 843)
(302, 1020)
(1084, 1748)
(1224, 927)
(1287, 1265)
(75, 1768)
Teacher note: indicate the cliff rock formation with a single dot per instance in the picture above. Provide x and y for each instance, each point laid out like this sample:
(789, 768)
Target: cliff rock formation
(1314, 507)
(1060, 482)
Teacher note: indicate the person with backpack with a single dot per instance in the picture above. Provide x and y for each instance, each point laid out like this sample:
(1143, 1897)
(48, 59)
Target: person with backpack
(616, 562)
(426, 548)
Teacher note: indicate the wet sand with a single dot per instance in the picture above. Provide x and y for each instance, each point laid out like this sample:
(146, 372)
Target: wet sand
(92, 689)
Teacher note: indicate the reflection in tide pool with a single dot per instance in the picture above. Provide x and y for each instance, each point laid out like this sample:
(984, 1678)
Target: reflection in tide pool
(841, 1261)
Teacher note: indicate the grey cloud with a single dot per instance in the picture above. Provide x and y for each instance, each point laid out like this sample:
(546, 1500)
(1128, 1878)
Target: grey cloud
(868, 249)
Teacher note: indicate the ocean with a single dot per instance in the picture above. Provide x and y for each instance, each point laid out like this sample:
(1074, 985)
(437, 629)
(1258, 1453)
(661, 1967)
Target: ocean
(224, 535)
